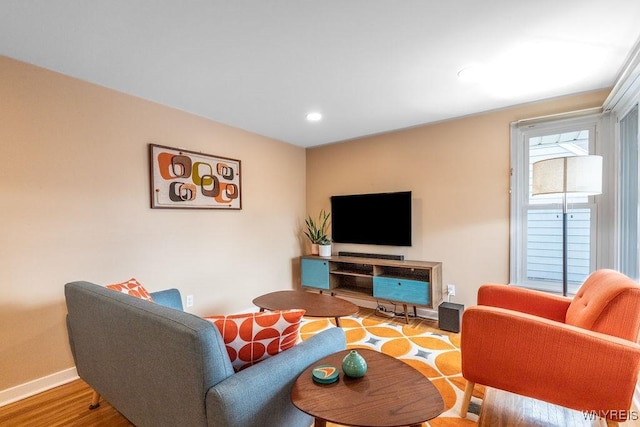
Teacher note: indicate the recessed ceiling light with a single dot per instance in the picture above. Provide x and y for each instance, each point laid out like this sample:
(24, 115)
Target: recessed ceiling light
(314, 116)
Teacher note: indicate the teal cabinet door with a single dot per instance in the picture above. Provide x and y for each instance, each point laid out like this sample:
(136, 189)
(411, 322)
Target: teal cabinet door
(402, 290)
(315, 273)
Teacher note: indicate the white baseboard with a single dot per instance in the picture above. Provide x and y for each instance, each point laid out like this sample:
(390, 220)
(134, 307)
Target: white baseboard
(39, 385)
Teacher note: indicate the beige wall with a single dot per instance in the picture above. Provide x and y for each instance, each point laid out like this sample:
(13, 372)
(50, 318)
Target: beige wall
(75, 206)
(458, 172)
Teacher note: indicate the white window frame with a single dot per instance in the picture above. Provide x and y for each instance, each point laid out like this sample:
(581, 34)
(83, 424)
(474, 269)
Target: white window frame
(628, 209)
(624, 95)
(623, 245)
(520, 134)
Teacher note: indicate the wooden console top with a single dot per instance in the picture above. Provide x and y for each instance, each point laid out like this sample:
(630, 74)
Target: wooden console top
(378, 261)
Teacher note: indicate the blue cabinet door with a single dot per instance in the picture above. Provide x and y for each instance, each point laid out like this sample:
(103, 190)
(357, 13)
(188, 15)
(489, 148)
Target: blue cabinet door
(315, 273)
(402, 290)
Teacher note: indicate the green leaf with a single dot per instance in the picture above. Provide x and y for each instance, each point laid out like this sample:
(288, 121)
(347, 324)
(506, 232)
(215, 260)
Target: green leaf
(317, 231)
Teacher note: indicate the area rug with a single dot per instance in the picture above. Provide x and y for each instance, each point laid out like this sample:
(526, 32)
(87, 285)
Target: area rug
(431, 351)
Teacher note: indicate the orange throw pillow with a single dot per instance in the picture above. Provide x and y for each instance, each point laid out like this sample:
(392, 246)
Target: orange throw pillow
(132, 287)
(253, 337)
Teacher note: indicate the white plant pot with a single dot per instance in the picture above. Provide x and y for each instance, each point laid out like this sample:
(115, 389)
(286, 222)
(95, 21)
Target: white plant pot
(324, 250)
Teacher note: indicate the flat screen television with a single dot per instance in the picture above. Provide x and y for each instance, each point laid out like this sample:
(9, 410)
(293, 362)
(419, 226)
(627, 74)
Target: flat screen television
(372, 219)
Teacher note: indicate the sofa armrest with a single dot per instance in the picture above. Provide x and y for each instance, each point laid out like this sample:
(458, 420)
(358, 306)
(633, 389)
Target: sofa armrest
(548, 360)
(169, 298)
(538, 303)
(261, 394)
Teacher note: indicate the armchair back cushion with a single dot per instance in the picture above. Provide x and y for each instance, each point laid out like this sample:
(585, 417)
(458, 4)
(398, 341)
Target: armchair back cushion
(607, 302)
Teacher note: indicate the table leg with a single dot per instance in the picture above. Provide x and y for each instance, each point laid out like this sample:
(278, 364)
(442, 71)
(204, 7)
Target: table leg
(261, 310)
(406, 315)
(338, 322)
(320, 423)
(95, 400)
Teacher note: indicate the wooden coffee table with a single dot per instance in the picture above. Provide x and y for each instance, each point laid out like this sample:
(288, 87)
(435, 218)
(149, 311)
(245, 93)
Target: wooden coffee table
(391, 393)
(315, 305)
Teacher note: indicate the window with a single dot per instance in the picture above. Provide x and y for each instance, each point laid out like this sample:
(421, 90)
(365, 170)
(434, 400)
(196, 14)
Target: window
(629, 176)
(536, 221)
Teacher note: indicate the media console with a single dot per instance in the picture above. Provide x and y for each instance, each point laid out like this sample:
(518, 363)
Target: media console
(416, 283)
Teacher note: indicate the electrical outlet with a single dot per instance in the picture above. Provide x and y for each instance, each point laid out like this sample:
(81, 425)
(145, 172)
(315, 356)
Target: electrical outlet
(189, 300)
(451, 290)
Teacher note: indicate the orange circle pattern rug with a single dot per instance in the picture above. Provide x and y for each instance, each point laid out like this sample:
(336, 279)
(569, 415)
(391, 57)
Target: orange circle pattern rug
(431, 351)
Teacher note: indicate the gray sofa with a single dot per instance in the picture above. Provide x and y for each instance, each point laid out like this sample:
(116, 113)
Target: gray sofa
(160, 366)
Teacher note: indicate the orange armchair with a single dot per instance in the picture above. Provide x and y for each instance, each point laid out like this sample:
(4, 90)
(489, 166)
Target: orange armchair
(580, 353)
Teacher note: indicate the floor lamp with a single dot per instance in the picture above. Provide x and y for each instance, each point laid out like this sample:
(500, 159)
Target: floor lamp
(576, 175)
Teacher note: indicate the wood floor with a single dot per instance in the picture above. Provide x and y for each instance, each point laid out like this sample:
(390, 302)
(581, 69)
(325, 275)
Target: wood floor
(503, 409)
(67, 405)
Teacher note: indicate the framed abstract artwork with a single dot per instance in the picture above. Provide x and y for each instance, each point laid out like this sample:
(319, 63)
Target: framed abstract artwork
(187, 179)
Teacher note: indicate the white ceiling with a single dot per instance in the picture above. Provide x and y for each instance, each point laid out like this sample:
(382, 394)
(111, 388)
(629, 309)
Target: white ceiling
(370, 66)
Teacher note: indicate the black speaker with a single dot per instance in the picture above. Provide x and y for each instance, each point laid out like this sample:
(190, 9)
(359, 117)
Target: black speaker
(377, 256)
(450, 316)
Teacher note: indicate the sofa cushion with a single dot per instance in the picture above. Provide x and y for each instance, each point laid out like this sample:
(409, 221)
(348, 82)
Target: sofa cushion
(252, 337)
(132, 287)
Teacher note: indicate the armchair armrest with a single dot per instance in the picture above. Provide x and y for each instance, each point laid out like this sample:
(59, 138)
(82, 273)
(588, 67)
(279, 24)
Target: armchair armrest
(538, 303)
(547, 360)
(169, 298)
(260, 395)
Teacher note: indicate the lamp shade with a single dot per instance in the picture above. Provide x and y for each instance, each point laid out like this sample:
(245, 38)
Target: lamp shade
(579, 175)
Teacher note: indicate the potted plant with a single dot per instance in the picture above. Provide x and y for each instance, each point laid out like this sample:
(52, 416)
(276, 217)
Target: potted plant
(324, 246)
(317, 231)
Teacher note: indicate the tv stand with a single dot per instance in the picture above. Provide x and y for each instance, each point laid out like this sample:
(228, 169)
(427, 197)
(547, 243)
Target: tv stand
(416, 283)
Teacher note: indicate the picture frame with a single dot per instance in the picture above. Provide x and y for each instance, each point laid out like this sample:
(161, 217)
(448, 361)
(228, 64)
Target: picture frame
(187, 179)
